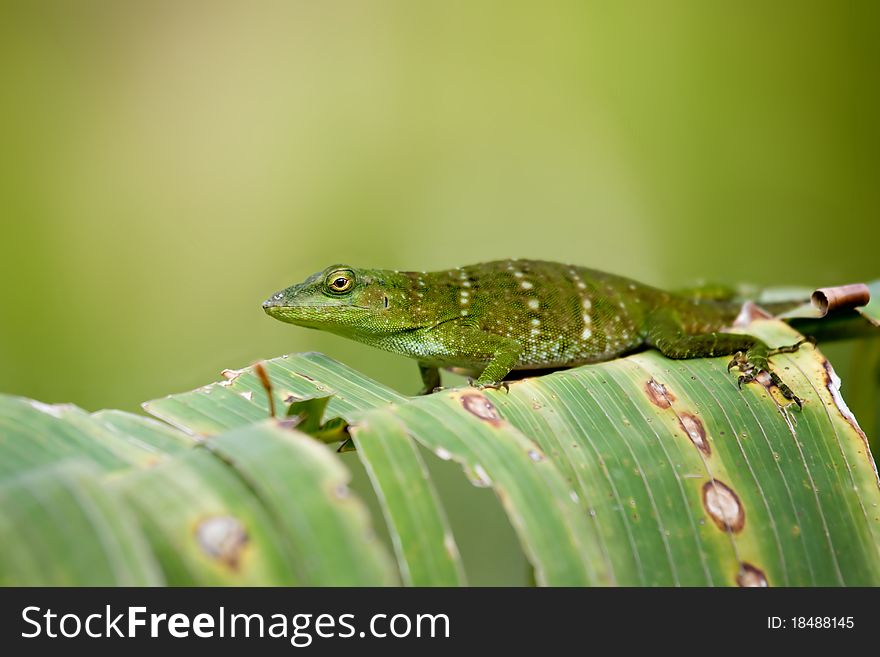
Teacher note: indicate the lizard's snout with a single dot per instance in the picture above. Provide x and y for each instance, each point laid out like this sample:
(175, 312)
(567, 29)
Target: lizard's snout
(273, 302)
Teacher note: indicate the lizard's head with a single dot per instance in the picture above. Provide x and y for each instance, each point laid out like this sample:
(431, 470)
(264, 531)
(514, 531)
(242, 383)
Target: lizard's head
(340, 299)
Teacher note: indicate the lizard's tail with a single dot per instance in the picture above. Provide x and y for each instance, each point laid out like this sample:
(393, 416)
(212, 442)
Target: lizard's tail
(826, 314)
(732, 300)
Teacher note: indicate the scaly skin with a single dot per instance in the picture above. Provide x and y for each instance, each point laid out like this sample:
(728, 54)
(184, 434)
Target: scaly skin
(492, 318)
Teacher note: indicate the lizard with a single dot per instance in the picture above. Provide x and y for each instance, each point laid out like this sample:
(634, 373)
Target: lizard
(491, 319)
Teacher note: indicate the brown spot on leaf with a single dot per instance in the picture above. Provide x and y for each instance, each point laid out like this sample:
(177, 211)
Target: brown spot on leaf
(658, 394)
(480, 406)
(231, 375)
(222, 538)
(695, 430)
(748, 575)
(723, 506)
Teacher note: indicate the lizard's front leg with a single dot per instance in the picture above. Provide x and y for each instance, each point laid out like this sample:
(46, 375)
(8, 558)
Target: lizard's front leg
(504, 357)
(473, 345)
(750, 354)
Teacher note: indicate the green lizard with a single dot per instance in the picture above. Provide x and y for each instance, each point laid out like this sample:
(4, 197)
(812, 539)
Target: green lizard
(492, 318)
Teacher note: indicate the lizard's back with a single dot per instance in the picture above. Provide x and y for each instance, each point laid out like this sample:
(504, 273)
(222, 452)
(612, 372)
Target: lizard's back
(563, 315)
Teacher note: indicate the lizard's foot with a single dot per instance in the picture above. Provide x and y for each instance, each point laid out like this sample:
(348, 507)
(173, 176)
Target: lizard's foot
(751, 364)
(491, 385)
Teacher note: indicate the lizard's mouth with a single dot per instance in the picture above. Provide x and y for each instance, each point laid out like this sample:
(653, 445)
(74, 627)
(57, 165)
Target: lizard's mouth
(308, 313)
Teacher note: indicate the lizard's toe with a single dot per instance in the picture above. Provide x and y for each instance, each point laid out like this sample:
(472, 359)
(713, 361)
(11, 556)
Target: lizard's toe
(490, 385)
(785, 390)
(750, 368)
(740, 361)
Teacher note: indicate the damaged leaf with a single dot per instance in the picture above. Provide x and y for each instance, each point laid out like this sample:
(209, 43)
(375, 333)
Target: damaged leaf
(643, 470)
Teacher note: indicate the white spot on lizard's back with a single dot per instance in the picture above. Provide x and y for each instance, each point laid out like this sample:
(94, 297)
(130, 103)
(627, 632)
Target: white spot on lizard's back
(526, 285)
(536, 321)
(534, 304)
(587, 332)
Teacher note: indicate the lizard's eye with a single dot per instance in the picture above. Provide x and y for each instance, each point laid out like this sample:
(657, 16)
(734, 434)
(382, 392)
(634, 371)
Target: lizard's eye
(340, 282)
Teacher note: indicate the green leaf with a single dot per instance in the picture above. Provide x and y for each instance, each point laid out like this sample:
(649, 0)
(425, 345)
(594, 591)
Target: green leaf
(144, 432)
(639, 471)
(426, 550)
(556, 535)
(205, 525)
(309, 411)
(305, 487)
(142, 503)
(59, 526)
(34, 434)
(241, 398)
(693, 482)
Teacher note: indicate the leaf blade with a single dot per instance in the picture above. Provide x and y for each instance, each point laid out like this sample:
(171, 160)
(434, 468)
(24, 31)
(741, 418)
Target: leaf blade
(425, 547)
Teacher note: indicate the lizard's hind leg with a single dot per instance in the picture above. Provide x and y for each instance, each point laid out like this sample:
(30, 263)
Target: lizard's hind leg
(430, 378)
(750, 354)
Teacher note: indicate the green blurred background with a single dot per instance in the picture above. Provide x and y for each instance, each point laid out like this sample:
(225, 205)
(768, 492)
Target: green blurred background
(164, 166)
